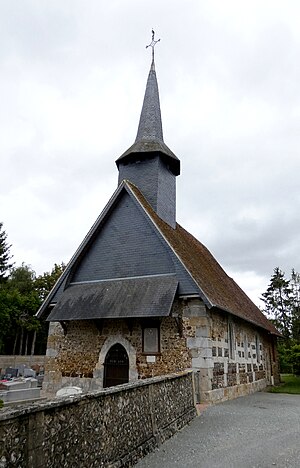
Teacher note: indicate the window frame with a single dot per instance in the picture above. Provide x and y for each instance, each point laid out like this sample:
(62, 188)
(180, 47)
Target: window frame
(231, 340)
(257, 347)
(156, 326)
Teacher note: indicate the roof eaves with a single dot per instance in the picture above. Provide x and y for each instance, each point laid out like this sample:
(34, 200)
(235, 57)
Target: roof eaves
(135, 297)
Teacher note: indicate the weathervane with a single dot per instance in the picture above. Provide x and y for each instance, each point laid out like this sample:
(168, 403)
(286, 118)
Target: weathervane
(153, 44)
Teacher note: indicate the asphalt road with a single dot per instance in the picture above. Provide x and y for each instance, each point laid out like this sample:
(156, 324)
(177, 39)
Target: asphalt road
(258, 431)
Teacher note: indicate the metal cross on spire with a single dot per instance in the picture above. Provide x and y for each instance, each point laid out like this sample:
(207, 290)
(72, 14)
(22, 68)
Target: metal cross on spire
(153, 44)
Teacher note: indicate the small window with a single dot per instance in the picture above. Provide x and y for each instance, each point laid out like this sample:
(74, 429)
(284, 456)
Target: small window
(151, 340)
(231, 340)
(246, 346)
(257, 348)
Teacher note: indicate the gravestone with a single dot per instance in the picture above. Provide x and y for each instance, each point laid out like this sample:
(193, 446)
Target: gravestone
(20, 389)
(21, 368)
(11, 372)
(29, 372)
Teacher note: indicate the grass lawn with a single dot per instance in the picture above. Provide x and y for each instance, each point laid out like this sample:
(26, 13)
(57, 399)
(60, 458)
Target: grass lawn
(290, 384)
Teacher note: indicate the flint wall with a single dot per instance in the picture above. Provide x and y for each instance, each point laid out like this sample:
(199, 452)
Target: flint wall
(109, 428)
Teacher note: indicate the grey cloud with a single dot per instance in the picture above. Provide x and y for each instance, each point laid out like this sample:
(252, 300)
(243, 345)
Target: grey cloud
(239, 190)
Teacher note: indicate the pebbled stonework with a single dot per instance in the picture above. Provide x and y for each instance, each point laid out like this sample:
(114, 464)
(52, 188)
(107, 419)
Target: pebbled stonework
(192, 337)
(110, 428)
(77, 352)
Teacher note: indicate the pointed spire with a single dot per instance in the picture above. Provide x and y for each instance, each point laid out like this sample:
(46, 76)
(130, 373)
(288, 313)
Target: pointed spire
(149, 138)
(150, 126)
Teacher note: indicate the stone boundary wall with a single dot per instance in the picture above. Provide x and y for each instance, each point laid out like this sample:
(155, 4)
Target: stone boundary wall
(108, 428)
(229, 393)
(16, 360)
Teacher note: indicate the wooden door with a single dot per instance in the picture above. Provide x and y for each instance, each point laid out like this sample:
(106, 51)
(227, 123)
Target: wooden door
(116, 366)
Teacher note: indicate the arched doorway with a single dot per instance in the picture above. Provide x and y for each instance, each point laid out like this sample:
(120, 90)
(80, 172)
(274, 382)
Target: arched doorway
(116, 366)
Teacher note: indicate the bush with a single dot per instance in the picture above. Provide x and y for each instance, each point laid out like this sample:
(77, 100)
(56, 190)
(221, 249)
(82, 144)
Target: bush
(294, 358)
(284, 362)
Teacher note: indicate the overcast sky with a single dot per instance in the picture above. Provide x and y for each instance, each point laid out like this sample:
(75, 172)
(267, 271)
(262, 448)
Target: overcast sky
(72, 80)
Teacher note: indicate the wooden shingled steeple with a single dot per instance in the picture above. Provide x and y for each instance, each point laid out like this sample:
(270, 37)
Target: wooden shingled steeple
(149, 163)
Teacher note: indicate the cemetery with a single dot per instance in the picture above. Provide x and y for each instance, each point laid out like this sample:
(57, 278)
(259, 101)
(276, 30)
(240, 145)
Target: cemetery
(20, 384)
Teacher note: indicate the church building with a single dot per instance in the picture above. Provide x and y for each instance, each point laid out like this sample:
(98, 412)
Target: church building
(142, 297)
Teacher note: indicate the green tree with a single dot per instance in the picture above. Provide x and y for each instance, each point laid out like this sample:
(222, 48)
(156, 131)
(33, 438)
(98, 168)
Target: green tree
(23, 302)
(8, 313)
(5, 265)
(278, 301)
(293, 357)
(5, 256)
(22, 278)
(282, 303)
(43, 285)
(45, 282)
(21, 294)
(295, 325)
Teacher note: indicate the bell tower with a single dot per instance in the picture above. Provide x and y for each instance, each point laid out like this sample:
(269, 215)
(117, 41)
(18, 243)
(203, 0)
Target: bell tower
(149, 163)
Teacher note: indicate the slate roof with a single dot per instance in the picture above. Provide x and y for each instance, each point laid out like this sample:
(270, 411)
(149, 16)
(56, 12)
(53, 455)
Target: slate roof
(149, 296)
(217, 288)
(149, 137)
(220, 290)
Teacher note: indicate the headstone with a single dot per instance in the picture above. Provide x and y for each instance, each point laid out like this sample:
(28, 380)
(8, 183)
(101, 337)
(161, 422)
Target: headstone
(11, 372)
(19, 389)
(40, 379)
(21, 368)
(29, 372)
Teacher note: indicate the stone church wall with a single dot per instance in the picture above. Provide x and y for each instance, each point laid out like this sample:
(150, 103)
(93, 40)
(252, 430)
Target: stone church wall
(231, 357)
(74, 354)
(113, 427)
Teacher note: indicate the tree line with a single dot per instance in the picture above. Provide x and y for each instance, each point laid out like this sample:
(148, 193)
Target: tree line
(21, 294)
(282, 306)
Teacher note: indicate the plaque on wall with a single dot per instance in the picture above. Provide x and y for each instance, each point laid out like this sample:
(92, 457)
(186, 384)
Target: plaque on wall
(151, 359)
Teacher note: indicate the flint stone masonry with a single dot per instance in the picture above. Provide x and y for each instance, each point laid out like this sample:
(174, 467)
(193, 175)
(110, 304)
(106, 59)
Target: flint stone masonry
(192, 337)
(77, 357)
(109, 428)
